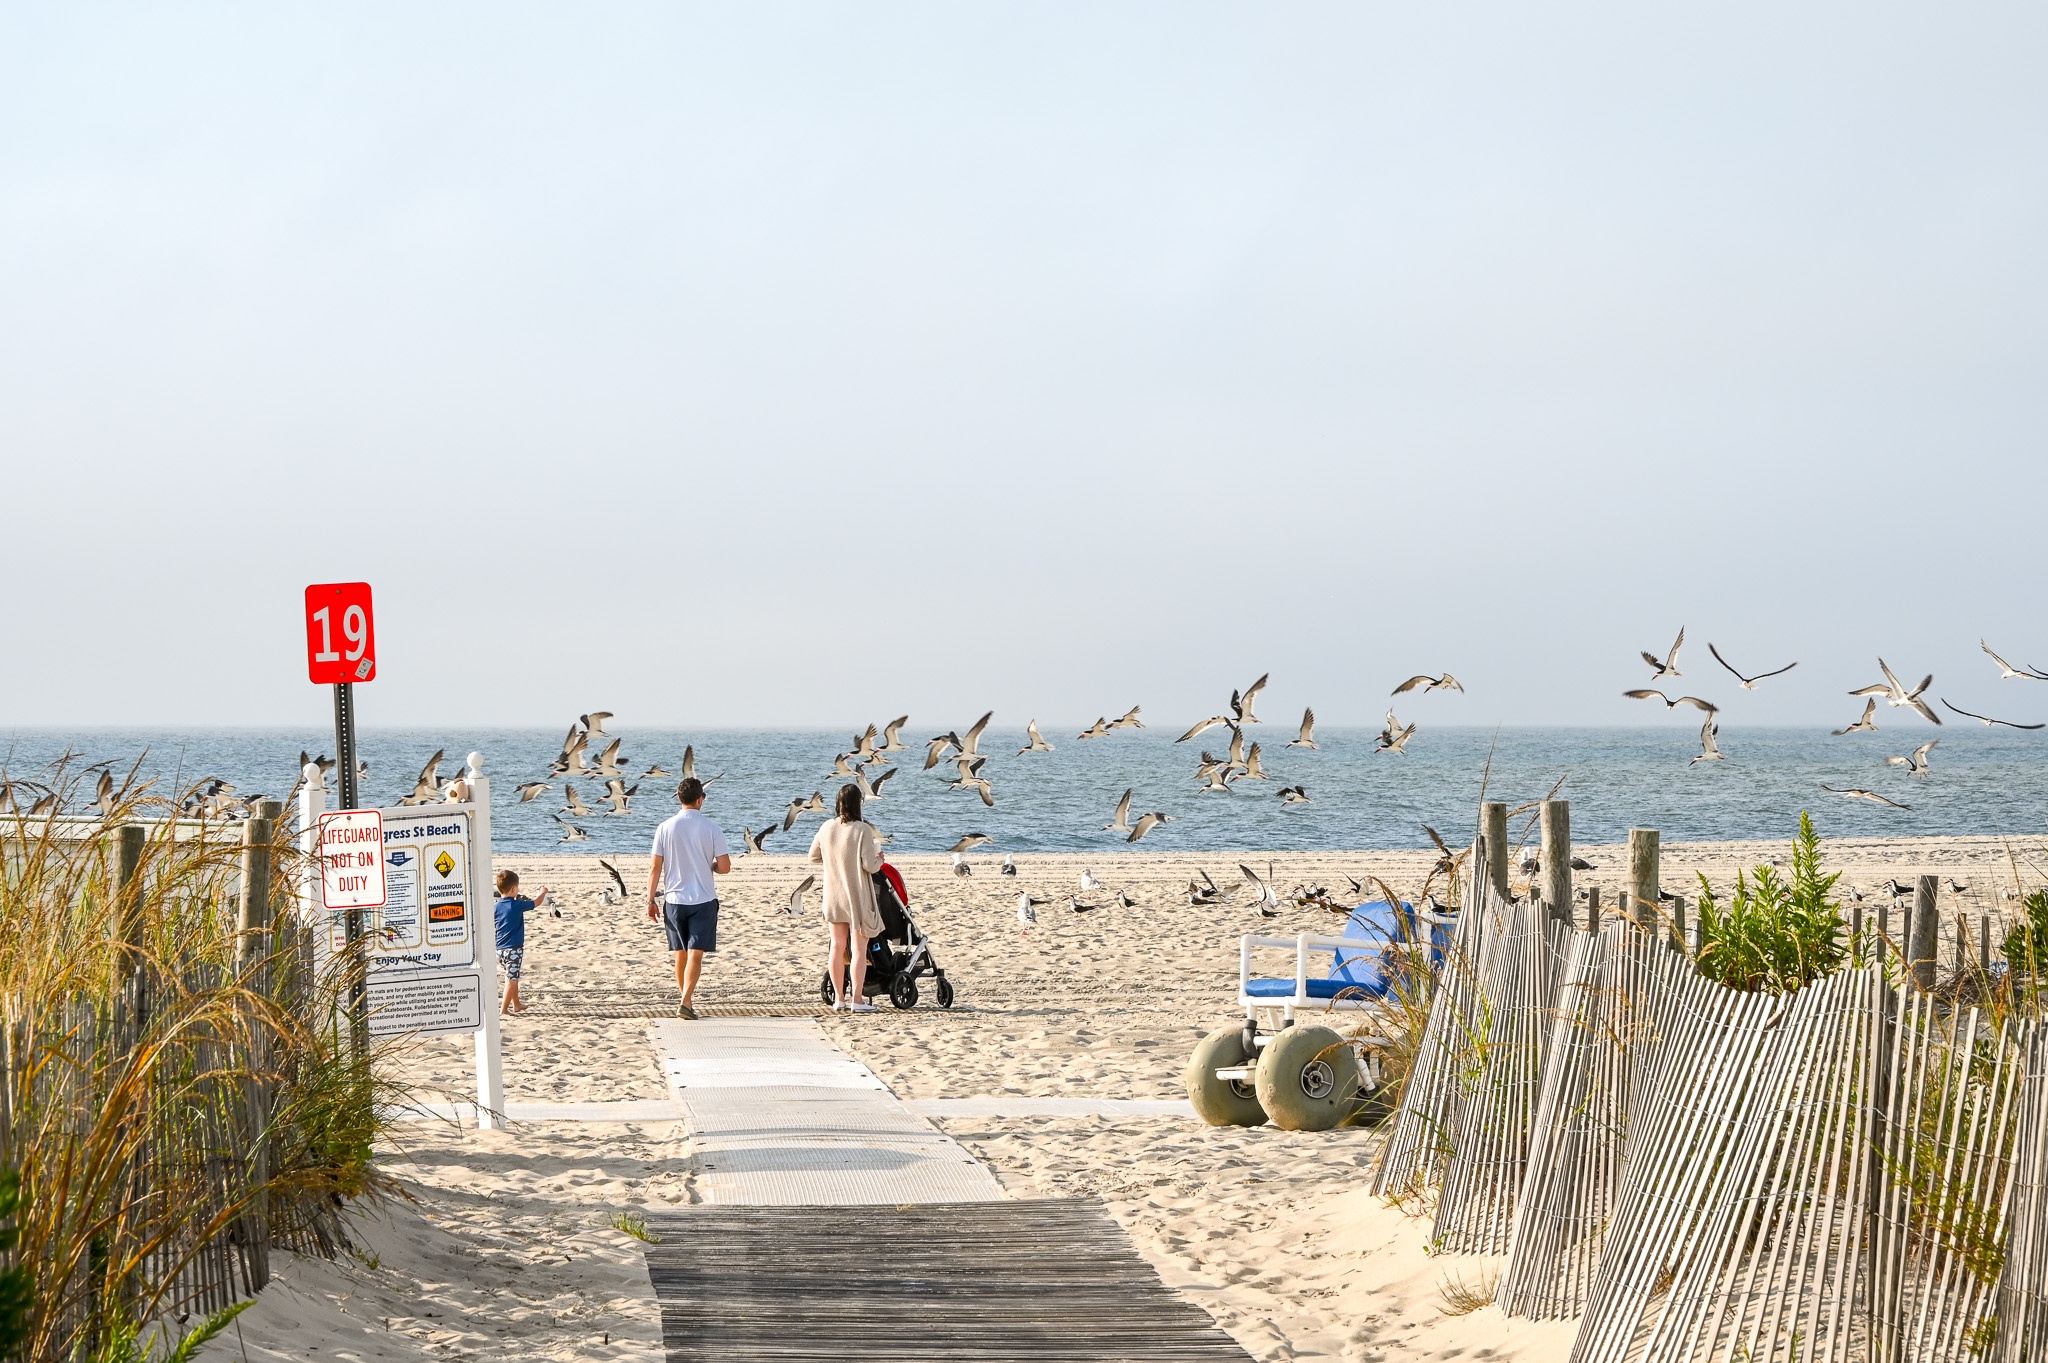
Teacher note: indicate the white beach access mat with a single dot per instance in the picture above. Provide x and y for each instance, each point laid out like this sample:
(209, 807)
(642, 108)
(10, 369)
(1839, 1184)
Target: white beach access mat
(779, 1116)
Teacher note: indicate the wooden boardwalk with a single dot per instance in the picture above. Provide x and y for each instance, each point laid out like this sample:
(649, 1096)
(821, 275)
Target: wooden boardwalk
(1018, 1281)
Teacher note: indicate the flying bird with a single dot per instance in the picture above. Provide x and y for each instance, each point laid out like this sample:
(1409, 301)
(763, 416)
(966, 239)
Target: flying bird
(970, 842)
(1146, 823)
(1130, 720)
(1748, 683)
(1710, 751)
(1037, 743)
(1987, 721)
(872, 790)
(571, 757)
(618, 795)
(1870, 795)
(2006, 669)
(428, 788)
(1865, 724)
(791, 811)
(574, 834)
(572, 803)
(1241, 706)
(1308, 731)
(1295, 795)
(1263, 896)
(690, 766)
(608, 760)
(1446, 682)
(1895, 692)
(1219, 780)
(796, 896)
(1254, 770)
(892, 735)
(935, 748)
(1669, 666)
(1671, 704)
(1394, 738)
(1121, 824)
(754, 840)
(1097, 729)
(655, 769)
(1916, 765)
(617, 879)
(1204, 727)
(593, 723)
(968, 746)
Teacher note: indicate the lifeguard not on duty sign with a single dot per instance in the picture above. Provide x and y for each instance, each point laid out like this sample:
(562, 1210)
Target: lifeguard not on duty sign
(352, 859)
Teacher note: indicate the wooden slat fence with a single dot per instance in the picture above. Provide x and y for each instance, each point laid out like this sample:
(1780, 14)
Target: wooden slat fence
(1855, 1171)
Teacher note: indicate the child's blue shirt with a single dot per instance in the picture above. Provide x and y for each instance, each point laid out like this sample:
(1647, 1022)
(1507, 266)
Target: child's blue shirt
(511, 915)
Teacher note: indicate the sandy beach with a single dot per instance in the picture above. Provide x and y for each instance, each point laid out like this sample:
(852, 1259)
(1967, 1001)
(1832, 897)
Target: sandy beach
(503, 1248)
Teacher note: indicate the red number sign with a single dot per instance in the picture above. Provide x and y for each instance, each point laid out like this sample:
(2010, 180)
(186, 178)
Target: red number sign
(341, 641)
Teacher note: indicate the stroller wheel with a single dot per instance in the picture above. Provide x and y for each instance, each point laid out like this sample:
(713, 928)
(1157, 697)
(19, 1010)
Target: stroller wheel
(945, 992)
(903, 992)
(825, 990)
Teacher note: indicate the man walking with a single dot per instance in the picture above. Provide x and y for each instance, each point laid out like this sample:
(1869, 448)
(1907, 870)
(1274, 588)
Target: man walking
(689, 850)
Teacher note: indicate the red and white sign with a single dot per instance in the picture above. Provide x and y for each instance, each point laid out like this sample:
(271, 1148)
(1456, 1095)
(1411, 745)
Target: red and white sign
(341, 638)
(352, 859)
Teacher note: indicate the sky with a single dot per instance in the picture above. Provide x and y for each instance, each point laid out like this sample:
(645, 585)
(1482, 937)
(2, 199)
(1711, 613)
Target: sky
(790, 364)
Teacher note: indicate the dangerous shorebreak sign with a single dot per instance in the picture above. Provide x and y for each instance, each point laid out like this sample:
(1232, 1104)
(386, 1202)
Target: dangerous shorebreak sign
(352, 859)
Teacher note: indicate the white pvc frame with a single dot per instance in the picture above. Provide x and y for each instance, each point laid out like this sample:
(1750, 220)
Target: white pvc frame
(490, 1060)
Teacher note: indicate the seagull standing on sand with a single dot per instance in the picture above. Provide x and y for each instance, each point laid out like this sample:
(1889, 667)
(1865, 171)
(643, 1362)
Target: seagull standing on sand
(960, 866)
(1121, 823)
(1748, 683)
(1009, 866)
(1027, 909)
(1089, 884)
(1308, 731)
(1669, 666)
(1895, 692)
(1916, 765)
(1037, 743)
(1865, 724)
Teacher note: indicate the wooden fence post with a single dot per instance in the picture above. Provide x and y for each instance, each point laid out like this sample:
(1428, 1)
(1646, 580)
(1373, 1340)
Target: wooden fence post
(1923, 933)
(1493, 823)
(1592, 908)
(255, 942)
(1557, 858)
(1640, 903)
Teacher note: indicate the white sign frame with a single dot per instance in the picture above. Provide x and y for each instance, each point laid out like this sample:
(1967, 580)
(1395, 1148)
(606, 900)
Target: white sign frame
(444, 978)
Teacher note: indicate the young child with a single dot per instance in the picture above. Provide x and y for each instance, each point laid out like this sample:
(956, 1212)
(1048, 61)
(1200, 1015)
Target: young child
(511, 916)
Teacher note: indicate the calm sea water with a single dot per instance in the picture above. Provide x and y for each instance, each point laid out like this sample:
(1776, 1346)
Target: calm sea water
(1982, 782)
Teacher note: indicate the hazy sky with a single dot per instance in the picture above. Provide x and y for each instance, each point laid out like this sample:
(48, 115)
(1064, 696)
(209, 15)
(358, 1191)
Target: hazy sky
(759, 364)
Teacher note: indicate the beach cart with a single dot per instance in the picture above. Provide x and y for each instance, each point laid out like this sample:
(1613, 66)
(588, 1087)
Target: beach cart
(1270, 1067)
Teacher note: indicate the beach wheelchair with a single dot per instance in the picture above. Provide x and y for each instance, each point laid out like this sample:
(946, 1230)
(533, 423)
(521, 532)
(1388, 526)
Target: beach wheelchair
(1311, 1078)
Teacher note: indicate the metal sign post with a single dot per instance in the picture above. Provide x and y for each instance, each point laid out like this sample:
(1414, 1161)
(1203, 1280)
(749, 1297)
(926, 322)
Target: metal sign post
(341, 650)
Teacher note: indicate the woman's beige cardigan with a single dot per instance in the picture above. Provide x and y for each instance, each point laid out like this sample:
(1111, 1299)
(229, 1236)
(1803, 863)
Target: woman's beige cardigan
(849, 854)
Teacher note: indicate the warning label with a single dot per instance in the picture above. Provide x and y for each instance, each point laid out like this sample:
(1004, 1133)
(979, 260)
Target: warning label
(439, 1004)
(426, 921)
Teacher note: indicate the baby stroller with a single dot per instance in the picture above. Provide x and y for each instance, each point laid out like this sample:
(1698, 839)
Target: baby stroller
(900, 954)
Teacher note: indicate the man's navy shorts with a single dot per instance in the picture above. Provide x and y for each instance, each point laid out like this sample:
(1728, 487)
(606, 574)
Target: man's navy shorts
(691, 927)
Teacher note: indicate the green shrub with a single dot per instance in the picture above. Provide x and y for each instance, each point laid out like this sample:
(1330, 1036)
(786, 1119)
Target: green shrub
(1774, 936)
(2026, 946)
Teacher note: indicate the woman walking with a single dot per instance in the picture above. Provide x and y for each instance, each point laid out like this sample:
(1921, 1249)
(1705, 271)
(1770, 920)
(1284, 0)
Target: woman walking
(847, 850)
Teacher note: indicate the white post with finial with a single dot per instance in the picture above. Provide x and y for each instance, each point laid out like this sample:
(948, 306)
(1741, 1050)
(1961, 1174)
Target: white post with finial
(483, 898)
(312, 909)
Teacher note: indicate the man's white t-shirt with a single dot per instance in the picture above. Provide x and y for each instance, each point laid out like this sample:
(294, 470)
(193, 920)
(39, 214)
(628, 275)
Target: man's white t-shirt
(688, 843)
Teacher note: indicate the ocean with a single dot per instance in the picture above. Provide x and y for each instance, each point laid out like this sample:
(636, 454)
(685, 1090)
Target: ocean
(1981, 782)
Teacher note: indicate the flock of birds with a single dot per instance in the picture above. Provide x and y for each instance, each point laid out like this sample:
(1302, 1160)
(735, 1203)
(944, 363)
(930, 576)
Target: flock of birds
(1891, 690)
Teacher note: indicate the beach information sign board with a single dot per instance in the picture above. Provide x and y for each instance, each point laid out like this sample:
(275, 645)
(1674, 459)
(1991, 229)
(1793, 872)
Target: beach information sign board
(352, 861)
(421, 939)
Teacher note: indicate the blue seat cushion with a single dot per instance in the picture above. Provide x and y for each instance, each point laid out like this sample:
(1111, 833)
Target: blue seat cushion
(1371, 988)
